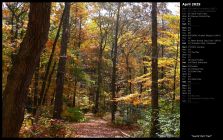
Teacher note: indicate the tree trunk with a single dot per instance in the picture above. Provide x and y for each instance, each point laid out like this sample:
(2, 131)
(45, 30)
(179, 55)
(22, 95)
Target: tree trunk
(113, 85)
(144, 72)
(98, 92)
(79, 35)
(100, 54)
(36, 88)
(49, 82)
(75, 92)
(58, 103)
(43, 92)
(53, 97)
(78, 51)
(12, 30)
(13, 54)
(22, 31)
(130, 84)
(174, 80)
(16, 28)
(129, 74)
(154, 92)
(20, 76)
(162, 55)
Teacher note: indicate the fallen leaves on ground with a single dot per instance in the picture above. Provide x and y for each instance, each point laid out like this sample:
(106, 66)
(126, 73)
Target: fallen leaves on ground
(94, 127)
(97, 127)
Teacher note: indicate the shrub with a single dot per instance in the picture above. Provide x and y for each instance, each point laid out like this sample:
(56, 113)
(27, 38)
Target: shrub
(46, 128)
(73, 115)
(169, 123)
(119, 121)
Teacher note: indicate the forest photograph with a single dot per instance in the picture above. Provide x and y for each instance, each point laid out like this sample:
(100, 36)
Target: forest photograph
(90, 69)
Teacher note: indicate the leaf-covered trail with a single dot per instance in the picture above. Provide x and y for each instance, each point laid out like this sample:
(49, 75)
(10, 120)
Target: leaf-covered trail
(97, 127)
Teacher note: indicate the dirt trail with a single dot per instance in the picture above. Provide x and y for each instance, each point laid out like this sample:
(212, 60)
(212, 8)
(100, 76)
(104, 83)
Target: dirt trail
(97, 127)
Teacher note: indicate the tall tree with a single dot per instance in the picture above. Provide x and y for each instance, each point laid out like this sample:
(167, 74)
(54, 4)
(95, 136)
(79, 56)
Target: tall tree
(75, 92)
(103, 31)
(78, 37)
(162, 11)
(19, 78)
(58, 103)
(43, 88)
(36, 87)
(49, 80)
(175, 75)
(154, 91)
(100, 55)
(114, 59)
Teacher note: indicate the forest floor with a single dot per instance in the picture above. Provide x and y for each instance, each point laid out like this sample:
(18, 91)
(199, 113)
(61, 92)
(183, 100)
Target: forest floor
(97, 127)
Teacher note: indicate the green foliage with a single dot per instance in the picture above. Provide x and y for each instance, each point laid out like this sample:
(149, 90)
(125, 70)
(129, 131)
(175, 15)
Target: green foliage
(82, 76)
(84, 105)
(119, 120)
(169, 122)
(73, 115)
(170, 125)
(144, 124)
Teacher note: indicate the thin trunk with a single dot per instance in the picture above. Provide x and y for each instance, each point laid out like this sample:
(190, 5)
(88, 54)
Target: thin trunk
(49, 82)
(41, 101)
(53, 97)
(174, 79)
(12, 30)
(113, 85)
(129, 85)
(75, 28)
(22, 31)
(127, 73)
(92, 96)
(79, 35)
(16, 28)
(13, 54)
(141, 83)
(42, 92)
(174, 88)
(144, 72)
(130, 77)
(78, 51)
(58, 103)
(140, 89)
(75, 92)
(36, 88)
(20, 76)
(98, 92)
(154, 92)
(100, 54)
(162, 55)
